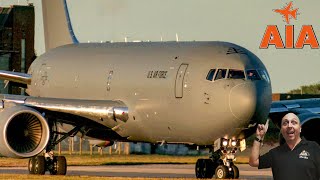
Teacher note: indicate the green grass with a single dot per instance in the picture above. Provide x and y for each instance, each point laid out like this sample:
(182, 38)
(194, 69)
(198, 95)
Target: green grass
(49, 177)
(129, 159)
(98, 160)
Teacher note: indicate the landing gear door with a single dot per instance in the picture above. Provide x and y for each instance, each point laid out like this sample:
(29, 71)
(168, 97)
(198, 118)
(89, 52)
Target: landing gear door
(179, 80)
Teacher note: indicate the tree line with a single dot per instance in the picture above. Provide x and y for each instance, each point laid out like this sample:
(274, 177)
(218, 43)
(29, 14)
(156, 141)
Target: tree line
(307, 89)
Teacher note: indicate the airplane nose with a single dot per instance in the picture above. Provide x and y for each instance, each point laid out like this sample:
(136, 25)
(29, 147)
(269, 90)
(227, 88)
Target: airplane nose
(243, 101)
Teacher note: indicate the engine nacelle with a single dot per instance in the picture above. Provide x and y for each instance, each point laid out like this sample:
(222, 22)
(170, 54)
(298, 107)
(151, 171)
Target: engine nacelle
(24, 132)
(310, 123)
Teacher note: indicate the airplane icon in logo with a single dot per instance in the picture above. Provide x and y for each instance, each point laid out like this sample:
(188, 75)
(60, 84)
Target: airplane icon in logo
(288, 12)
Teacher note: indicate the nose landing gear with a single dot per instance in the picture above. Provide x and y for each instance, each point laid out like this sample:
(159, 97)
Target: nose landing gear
(223, 172)
(206, 168)
(220, 162)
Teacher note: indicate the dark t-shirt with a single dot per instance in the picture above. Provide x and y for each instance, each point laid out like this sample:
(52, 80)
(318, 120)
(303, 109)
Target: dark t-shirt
(303, 162)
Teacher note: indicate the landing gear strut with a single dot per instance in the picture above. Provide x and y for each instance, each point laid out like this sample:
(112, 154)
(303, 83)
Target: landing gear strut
(220, 162)
(56, 165)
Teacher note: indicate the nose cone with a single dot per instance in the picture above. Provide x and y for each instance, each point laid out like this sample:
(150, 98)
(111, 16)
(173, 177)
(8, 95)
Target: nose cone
(243, 101)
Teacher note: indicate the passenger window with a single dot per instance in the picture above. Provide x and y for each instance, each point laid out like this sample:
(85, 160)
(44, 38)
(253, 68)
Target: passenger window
(211, 74)
(236, 74)
(221, 74)
(253, 75)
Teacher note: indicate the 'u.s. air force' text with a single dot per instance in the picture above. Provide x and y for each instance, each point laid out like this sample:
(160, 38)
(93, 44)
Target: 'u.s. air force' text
(157, 74)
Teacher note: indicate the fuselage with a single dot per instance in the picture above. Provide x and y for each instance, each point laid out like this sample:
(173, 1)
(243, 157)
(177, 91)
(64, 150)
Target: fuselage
(169, 87)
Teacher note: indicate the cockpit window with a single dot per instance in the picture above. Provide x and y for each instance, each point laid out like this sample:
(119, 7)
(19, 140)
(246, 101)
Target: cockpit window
(221, 74)
(211, 74)
(264, 75)
(236, 74)
(253, 75)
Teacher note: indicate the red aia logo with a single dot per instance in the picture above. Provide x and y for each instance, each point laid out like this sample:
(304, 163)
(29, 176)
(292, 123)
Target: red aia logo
(288, 12)
(273, 37)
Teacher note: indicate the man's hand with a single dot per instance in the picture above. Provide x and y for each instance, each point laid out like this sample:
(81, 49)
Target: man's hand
(261, 131)
(255, 151)
(254, 157)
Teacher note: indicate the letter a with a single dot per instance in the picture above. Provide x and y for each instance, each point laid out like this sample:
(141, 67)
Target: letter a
(271, 37)
(307, 37)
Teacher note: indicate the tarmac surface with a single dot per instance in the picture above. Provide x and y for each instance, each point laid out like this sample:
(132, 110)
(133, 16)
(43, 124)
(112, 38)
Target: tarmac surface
(153, 171)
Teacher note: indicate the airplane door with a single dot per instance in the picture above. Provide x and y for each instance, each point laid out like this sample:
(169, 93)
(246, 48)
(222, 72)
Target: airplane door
(179, 80)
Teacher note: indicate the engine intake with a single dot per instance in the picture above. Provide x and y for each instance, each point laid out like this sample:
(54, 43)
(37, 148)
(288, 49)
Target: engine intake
(24, 132)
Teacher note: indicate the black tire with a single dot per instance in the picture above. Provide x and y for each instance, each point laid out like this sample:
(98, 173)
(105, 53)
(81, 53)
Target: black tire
(222, 172)
(204, 168)
(199, 169)
(235, 172)
(61, 165)
(209, 168)
(31, 165)
(39, 165)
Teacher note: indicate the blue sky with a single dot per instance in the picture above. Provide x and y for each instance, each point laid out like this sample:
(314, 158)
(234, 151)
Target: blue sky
(242, 22)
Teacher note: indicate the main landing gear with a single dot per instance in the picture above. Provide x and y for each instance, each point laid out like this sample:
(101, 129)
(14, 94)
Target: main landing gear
(220, 162)
(56, 165)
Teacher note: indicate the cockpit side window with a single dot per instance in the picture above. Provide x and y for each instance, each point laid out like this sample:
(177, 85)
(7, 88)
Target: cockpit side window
(221, 74)
(236, 74)
(253, 75)
(264, 75)
(211, 74)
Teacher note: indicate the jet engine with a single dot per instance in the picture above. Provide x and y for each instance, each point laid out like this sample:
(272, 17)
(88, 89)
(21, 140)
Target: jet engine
(24, 132)
(310, 123)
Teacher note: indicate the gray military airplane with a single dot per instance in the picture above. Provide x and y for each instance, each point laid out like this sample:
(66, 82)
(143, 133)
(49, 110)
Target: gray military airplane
(210, 94)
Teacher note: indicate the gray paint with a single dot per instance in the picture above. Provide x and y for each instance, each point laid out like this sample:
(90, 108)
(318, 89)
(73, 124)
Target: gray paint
(155, 114)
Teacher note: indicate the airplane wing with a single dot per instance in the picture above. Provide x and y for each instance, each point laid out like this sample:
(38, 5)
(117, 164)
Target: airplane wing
(300, 107)
(308, 111)
(31, 115)
(18, 78)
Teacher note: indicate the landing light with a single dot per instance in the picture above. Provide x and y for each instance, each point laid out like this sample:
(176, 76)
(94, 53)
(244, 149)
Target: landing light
(233, 143)
(225, 142)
